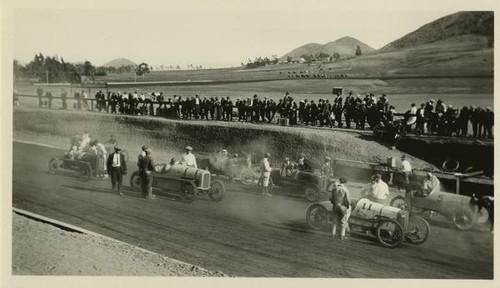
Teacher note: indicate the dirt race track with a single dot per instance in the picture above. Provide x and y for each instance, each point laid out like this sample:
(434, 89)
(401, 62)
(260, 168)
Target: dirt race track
(244, 235)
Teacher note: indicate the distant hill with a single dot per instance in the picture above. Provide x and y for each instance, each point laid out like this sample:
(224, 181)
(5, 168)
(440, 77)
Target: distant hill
(118, 63)
(345, 46)
(461, 23)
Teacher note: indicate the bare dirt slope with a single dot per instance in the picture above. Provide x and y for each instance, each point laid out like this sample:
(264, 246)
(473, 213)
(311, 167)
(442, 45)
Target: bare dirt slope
(42, 249)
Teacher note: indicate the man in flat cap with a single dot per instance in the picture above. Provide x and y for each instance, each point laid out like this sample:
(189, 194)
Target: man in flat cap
(188, 158)
(146, 168)
(116, 167)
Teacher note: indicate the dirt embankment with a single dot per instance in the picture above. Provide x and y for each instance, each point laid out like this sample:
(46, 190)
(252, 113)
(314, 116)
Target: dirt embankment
(169, 137)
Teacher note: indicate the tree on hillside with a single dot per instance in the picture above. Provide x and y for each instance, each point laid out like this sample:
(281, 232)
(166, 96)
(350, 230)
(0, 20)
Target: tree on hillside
(358, 51)
(289, 59)
(336, 56)
(142, 69)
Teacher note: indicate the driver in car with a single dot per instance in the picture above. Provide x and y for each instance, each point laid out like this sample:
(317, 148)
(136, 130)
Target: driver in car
(431, 184)
(287, 168)
(377, 190)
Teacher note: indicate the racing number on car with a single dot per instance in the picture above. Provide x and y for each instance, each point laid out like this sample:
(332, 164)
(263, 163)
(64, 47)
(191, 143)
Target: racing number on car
(369, 207)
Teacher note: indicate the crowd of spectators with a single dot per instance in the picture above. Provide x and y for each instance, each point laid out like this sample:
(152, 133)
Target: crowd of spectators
(343, 111)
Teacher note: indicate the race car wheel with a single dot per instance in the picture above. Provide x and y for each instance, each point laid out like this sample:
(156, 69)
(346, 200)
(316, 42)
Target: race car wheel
(312, 194)
(389, 233)
(135, 180)
(418, 230)
(401, 203)
(53, 165)
(270, 187)
(85, 171)
(247, 176)
(217, 190)
(317, 217)
(463, 219)
(188, 192)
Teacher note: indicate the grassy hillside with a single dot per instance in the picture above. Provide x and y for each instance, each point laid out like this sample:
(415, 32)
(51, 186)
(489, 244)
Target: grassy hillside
(461, 23)
(345, 47)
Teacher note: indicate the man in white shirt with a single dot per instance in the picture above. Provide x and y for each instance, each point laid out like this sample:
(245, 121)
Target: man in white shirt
(377, 190)
(406, 168)
(265, 169)
(188, 159)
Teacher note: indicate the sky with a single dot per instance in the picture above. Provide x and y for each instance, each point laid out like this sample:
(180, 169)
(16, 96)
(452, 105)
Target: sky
(221, 35)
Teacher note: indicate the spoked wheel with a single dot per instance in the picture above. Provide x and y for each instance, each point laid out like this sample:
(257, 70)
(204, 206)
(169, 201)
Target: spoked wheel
(247, 176)
(389, 233)
(85, 172)
(317, 217)
(188, 192)
(312, 194)
(463, 219)
(135, 180)
(217, 190)
(270, 187)
(401, 203)
(418, 230)
(53, 165)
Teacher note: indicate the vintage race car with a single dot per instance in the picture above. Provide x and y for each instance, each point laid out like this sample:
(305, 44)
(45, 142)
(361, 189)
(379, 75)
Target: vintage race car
(188, 182)
(234, 167)
(391, 225)
(310, 185)
(85, 165)
(457, 208)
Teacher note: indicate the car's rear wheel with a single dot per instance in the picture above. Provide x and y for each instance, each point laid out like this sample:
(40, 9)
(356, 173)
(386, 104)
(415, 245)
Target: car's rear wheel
(217, 190)
(53, 165)
(418, 230)
(317, 217)
(312, 194)
(188, 191)
(389, 233)
(135, 180)
(463, 219)
(247, 176)
(85, 171)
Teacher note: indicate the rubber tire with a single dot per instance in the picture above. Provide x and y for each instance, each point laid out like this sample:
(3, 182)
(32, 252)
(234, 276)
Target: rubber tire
(399, 198)
(221, 188)
(135, 180)
(247, 176)
(380, 238)
(188, 191)
(422, 224)
(85, 171)
(459, 214)
(53, 165)
(314, 222)
(312, 194)
(447, 161)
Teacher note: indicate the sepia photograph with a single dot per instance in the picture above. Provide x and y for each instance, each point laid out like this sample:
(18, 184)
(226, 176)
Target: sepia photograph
(276, 140)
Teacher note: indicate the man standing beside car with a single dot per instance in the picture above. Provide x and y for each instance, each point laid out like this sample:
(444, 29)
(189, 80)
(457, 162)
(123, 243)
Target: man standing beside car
(146, 167)
(116, 167)
(265, 169)
(341, 207)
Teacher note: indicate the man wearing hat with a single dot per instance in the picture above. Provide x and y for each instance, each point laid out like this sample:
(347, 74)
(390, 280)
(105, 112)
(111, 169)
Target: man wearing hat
(406, 169)
(341, 209)
(146, 168)
(188, 158)
(265, 168)
(303, 164)
(116, 167)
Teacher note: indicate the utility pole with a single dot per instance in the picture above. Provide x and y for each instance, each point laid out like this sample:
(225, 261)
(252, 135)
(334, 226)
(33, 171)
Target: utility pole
(47, 75)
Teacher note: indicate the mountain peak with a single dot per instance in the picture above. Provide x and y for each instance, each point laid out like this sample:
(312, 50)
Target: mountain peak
(117, 63)
(345, 47)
